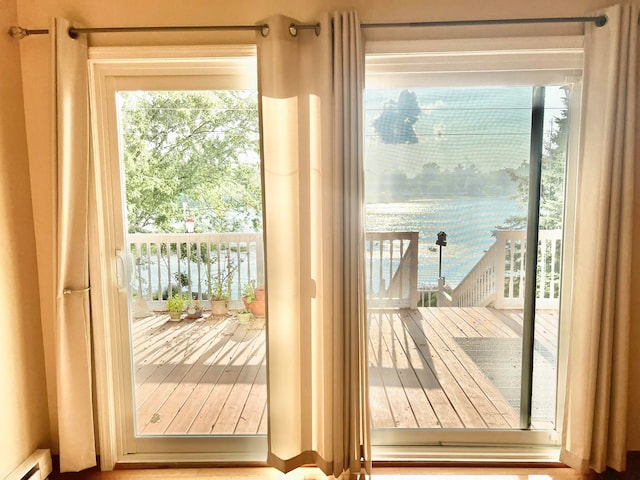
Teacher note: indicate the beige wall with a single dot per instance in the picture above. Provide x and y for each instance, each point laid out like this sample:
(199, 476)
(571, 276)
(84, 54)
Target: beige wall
(24, 422)
(35, 62)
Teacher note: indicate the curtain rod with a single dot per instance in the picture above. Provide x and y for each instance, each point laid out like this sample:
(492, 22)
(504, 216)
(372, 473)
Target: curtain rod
(601, 20)
(19, 32)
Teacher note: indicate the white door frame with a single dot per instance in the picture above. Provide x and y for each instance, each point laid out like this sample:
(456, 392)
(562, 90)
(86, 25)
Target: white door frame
(148, 68)
(471, 63)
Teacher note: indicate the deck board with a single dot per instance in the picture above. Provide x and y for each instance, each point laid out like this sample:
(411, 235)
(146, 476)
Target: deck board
(208, 376)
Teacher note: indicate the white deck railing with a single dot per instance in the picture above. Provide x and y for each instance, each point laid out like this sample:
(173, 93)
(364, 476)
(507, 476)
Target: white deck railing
(392, 269)
(498, 277)
(192, 262)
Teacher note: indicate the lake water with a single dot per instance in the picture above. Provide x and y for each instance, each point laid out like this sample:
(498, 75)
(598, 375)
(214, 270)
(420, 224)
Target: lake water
(468, 223)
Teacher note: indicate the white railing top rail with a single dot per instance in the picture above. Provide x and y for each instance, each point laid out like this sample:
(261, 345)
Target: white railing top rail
(225, 237)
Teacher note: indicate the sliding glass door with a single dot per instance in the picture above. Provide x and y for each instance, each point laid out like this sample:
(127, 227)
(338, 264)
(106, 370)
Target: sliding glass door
(181, 173)
(465, 191)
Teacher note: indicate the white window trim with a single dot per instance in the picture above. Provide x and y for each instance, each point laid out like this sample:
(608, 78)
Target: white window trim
(481, 62)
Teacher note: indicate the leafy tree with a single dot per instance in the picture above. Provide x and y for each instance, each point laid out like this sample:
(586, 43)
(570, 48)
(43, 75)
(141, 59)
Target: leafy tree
(198, 149)
(395, 123)
(553, 177)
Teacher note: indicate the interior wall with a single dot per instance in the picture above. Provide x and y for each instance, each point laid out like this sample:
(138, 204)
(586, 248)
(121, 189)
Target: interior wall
(35, 65)
(24, 422)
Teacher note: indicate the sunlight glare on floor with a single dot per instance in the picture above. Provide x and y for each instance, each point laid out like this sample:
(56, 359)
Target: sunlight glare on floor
(460, 477)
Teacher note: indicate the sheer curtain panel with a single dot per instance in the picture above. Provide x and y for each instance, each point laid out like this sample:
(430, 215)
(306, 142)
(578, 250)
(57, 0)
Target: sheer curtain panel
(311, 91)
(594, 434)
(72, 329)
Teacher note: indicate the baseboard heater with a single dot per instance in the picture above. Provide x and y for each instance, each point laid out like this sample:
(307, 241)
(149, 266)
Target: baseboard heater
(36, 467)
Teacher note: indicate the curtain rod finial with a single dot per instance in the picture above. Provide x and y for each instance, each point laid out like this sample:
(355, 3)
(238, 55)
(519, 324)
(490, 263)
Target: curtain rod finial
(17, 32)
(601, 21)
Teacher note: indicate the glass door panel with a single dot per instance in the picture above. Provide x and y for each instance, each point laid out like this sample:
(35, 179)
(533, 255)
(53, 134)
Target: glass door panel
(191, 179)
(447, 176)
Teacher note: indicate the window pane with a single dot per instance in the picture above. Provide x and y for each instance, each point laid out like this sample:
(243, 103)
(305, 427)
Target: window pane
(452, 161)
(191, 167)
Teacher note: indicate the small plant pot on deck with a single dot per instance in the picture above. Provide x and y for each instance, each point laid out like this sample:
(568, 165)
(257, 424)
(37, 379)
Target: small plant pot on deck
(244, 317)
(175, 316)
(193, 313)
(219, 307)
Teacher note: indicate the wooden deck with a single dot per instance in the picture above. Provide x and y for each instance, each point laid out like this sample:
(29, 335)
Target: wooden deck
(207, 376)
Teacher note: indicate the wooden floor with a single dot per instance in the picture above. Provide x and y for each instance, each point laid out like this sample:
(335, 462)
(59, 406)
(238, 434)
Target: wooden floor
(420, 376)
(204, 376)
(450, 473)
(207, 376)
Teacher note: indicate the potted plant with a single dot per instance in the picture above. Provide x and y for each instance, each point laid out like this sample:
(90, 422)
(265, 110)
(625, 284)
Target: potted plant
(175, 305)
(220, 294)
(220, 299)
(194, 309)
(244, 315)
(253, 299)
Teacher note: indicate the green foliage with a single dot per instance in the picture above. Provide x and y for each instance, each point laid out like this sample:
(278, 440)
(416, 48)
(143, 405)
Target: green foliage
(221, 280)
(196, 148)
(434, 182)
(177, 302)
(249, 293)
(554, 160)
(395, 123)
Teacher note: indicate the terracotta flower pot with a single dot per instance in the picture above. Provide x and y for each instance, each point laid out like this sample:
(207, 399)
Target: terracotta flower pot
(257, 307)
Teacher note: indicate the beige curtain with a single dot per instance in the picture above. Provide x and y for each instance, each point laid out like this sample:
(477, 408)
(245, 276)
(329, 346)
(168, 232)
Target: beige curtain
(72, 341)
(594, 434)
(311, 91)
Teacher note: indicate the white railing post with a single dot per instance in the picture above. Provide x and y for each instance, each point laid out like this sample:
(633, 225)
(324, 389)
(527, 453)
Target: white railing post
(499, 259)
(413, 270)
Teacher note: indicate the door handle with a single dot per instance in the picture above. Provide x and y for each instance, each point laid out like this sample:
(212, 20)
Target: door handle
(122, 274)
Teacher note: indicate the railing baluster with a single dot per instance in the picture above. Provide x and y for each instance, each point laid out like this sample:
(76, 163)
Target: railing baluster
(523, 269)
(552, 283)
(249, 249)
(208, 270)
(370, 250)
(499, 262)
(542, 262)
(413, 272)
(158, 257)
(199, 264)
(178, 266)
(238, 248)
(380, 267)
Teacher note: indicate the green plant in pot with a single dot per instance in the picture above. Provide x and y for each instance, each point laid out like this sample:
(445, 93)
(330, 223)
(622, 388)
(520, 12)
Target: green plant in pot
(175, 305)
(219, 299)
(244, 315)
(221, 291)
(253, 299)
